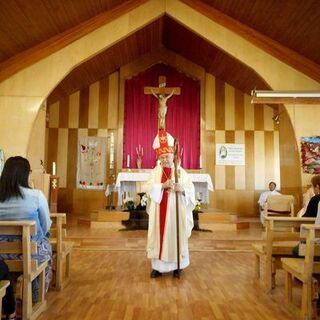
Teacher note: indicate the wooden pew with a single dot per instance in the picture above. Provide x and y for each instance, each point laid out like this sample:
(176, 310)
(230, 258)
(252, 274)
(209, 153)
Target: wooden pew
(62, 250)
(30, 268)
(281, 236)
(303, 269)
(3, 287)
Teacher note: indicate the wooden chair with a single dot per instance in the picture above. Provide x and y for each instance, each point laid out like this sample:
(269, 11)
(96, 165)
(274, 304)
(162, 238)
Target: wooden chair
(303, 269)
(279, 206)
(62, 250)
(281, 236)
(30, 268)
(3, 287)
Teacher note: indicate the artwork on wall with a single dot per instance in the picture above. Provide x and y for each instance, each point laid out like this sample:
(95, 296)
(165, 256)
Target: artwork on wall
(230, 154)
(91, 171)
(310, 154)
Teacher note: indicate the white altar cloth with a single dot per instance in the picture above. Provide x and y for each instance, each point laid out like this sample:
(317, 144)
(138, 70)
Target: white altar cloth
(131, 182)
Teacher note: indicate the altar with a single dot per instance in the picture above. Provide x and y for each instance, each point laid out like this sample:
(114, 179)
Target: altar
(133, 182)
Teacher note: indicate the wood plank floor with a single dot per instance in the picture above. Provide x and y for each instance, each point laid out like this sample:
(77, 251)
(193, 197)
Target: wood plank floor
(110, 280)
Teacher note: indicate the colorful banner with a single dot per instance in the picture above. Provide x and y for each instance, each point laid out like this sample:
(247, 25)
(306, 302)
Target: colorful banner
(310, 154)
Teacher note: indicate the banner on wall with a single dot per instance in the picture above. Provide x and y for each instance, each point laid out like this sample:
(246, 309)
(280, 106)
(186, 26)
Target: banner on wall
(230, 154)
(310, 154)
(91, 171)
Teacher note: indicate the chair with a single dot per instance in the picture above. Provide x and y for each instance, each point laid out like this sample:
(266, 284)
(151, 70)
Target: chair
(279, 206)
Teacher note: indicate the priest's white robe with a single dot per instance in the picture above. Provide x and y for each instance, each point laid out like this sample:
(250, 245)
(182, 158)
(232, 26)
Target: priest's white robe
(168, 260)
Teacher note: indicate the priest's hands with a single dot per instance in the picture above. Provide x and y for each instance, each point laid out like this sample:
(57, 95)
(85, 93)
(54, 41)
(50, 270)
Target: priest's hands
(176, 187)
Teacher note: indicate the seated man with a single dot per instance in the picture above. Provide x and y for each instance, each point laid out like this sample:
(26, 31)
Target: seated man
(264, 196)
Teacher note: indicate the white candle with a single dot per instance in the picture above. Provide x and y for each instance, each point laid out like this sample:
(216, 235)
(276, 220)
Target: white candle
(54, 168)
(111, 138)
(200, 162)
(128, 161)
(111, 165)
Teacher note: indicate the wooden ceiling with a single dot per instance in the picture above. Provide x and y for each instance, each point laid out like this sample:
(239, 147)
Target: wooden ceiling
(293, 24)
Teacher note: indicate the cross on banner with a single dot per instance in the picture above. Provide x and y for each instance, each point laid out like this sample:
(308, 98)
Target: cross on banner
(162, 93)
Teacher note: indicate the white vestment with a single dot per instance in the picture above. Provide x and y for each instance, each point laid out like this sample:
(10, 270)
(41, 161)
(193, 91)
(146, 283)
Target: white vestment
(263, 200)
(168, 260)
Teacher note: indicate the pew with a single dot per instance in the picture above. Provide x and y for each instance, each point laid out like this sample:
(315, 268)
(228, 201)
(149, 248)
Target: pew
(303, 270)
(62, 250)
(282, 234)
(29, 267)
(3, 287)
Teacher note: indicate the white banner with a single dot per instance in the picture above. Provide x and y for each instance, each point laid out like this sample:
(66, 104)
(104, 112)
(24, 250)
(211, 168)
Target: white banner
(230, 154)
(91, 171)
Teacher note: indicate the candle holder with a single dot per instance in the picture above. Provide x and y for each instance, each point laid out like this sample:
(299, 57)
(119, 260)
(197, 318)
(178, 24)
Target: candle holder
(139, 162)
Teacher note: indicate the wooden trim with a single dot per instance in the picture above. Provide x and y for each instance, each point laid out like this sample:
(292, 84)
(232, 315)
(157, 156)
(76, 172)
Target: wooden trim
(279, 100)
(277, 50)
(42, 50)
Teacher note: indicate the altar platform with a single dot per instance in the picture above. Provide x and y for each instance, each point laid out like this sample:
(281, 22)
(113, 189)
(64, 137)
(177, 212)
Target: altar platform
(210, 220)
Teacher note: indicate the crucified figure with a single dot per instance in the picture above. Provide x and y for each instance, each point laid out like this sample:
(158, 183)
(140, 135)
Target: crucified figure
(162, 99)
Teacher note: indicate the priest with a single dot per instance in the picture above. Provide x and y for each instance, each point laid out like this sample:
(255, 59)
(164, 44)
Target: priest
(161, 189)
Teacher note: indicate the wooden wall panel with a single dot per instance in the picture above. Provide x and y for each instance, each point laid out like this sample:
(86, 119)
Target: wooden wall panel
(269, 157)
(258, 117)
(259, 160)
(113, 100)
(240, 171)
(62, 156)
(74, 102)
(230, 170)
(54, 115)
(220, 105)
(248, 113)
(210, 102)
(64, 113)
(93, 113)
(239, 107)
(249, 146)
(84, 108)
(220, 171)
(72, 157)
(229, 107)
(103, 103)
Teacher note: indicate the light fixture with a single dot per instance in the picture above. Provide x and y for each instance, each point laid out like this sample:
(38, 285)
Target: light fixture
(276, 118)
(287, 97)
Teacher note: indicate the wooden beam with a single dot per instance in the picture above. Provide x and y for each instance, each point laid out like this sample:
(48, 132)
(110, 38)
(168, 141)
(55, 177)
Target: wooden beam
(279, 100)
(45, 48)
(279, 51)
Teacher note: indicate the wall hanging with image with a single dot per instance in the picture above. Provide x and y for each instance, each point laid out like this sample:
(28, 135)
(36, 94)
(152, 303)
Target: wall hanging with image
(310, 154)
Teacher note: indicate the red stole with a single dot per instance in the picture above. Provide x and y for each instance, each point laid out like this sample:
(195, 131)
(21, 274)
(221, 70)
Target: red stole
(166, 174)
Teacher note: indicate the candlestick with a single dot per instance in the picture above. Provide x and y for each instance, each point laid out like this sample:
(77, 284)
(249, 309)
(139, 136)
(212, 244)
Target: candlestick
(128, 161)
(54, 168)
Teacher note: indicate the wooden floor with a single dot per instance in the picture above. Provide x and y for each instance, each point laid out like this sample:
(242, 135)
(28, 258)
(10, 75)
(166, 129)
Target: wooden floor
(110, 280)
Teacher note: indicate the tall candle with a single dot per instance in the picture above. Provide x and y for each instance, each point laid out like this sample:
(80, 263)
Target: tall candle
(200, 162)
(111, 151)
(128, 160)
(54, 168)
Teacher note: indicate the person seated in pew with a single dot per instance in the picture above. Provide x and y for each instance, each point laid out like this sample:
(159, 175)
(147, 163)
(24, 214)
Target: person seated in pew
(9, 300)
(312, 208)
(19, 202)
(264, 196)
(306, 198)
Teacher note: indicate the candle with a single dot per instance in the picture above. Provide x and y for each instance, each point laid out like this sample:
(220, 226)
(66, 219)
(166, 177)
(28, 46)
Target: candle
(128, 161)
(200, 162)
(54, 168)
(111, 165)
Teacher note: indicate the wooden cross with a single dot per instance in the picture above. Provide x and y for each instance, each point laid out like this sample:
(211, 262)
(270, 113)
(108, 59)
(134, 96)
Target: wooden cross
(162, 93)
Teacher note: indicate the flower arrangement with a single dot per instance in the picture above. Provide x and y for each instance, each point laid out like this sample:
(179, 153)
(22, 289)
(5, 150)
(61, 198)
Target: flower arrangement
(144, 201)
(129, 203)
(197, 207)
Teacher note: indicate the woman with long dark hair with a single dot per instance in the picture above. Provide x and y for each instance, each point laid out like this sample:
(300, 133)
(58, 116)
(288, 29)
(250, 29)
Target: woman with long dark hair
(19, 202)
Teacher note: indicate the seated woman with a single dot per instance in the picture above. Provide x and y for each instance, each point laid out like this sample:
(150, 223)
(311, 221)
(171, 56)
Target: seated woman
(312, 207)
(19, 202)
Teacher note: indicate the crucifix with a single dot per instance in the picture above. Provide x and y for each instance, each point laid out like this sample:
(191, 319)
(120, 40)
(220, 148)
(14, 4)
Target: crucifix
(162, 93)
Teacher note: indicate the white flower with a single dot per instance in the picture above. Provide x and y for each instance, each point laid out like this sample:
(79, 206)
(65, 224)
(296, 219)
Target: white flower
(144, 200)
